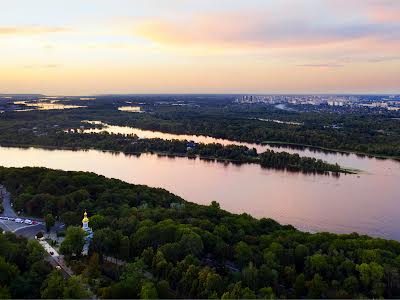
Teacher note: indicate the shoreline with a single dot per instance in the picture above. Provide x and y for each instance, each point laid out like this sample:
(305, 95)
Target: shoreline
(332, 150)
(271, 143)
(220, 160)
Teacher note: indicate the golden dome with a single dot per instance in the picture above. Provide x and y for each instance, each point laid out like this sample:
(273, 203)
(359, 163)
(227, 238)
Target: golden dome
(85, 218)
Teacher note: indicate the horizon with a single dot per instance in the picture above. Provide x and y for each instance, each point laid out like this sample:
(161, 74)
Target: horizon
(191, 47)
(197, 94)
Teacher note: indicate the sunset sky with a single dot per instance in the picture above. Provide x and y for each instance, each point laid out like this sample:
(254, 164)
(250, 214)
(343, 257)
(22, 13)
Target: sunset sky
(75, 47)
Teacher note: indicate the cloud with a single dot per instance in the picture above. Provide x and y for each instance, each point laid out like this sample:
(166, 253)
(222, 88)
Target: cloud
(326, 65)
(259, 30)
(31, 30)
(376, 11)
(46, 66)
(383, 59)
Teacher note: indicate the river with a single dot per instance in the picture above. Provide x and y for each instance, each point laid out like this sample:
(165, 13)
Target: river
(365, 203)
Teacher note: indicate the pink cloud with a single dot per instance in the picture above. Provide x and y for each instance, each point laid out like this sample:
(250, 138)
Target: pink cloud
(258, 30)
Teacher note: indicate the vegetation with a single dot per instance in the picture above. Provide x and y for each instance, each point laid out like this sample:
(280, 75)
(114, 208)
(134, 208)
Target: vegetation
(49, 221)
(56, 287)
(369, 133)
(73, 242)
(177, 249)
(22, 267)
(132, 145)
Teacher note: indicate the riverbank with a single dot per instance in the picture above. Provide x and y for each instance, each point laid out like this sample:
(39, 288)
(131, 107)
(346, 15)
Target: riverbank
(267, 159)
(123, 129)
(330, 150)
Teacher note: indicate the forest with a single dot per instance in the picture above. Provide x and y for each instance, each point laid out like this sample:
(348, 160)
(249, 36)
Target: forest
(370, 134)
(177, 249)
(363, 131)
(366, 132)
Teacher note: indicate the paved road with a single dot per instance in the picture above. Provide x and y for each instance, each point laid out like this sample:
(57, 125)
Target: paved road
(30, 231)
(8, 210)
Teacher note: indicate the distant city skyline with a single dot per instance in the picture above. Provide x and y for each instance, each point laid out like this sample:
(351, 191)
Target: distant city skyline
(226, 47)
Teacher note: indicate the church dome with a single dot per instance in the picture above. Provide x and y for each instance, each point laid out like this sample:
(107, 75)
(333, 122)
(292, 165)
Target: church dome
(85, 218)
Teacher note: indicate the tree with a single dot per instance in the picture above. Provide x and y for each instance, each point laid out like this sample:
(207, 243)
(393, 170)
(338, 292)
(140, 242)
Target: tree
(53, 287)
(223, 232)
(300, 253)
(243, 253)
(250, 276)
(317, 287)
(98, 222)
(148, 291)
(210, 283)
(191, 243)
(93, 269)
(73, 242)
(124, 248)
(215, 205)
(370, 273)
(50, 221)
(351, 285)
(234, 292)
(74, 289)
(317, 263)
(371, 276)
(300, 286)
(35, 250)
(147, 256)
(164, 290)
(266, 293)
(7, 271)
(5, 292)
(248, 294)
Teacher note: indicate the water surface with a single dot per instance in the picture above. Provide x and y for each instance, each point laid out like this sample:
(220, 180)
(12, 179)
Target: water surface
(366, 203)
(347, 160)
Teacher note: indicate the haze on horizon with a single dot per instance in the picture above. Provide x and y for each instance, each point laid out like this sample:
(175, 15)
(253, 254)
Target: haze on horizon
(79, 47)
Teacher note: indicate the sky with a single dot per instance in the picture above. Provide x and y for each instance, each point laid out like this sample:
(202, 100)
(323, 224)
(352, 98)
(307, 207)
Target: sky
(86, 47)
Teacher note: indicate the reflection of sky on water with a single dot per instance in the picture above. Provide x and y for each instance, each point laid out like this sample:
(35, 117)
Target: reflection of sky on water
(367, 203)
(346, 160)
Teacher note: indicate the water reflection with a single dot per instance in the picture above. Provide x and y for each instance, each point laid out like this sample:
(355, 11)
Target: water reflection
(344, 159)
(134, 109)
(48, 105)
(367, 203)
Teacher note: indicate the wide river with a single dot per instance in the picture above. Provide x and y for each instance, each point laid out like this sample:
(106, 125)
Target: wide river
(366, 203)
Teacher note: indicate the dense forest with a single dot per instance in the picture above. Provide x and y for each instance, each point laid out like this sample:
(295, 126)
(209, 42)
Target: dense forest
(175, 248)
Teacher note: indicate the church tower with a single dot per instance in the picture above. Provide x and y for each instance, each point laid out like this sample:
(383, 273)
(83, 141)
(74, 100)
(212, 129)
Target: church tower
(89, 233)
(85, 222)
(85, 226)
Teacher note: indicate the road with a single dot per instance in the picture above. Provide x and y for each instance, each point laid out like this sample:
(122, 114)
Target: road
(30, 231)
(8, 210)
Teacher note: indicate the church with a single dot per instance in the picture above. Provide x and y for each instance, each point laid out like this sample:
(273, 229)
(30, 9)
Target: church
(88, 231)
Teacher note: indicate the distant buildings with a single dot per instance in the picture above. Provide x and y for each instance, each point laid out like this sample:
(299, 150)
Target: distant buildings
(390, 103)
